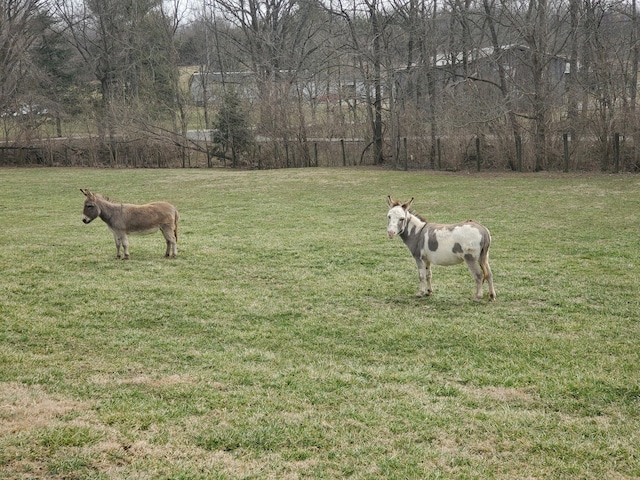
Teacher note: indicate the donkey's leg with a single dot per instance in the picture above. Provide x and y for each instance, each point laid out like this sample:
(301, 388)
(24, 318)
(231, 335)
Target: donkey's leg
(170, 237)
(476, 271)
(489, 276)
(172, 249)
(118, 241)
(424, 274)
(125, 246)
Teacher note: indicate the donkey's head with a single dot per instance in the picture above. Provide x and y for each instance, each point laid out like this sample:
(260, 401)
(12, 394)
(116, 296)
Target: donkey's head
(398, 216)
(91, 208)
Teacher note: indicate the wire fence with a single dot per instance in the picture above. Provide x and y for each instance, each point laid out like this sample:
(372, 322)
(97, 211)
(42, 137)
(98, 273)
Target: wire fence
(472, 154)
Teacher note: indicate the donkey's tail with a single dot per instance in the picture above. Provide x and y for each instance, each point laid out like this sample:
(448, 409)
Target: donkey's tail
(484, 256)
(483, 264)
(175, 225)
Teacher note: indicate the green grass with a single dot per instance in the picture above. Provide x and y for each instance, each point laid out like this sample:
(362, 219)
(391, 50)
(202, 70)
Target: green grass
(285, 340)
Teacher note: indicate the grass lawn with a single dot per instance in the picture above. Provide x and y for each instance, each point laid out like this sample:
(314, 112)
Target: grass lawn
(285, 340)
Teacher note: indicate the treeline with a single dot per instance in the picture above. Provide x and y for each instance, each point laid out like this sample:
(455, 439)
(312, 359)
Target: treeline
(451, 84)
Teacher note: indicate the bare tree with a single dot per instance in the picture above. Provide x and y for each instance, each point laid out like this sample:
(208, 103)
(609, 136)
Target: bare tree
(633, 83)
(274, 39)
(167, 20)
(604, 63)
(535, 35)
(573, 89)
(128, 45)
(505, 89)
(19, 29)
(367, 47)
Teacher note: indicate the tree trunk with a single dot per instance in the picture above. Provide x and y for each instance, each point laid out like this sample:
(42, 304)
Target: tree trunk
(514, 126)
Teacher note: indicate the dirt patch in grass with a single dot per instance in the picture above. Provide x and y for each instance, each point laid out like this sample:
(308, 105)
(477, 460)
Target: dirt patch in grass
(25, 408)
(28, 414)
(506, 394)
(146, 380)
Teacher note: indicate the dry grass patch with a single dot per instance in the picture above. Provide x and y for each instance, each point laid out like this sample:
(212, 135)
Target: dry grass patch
(503, 394)
(144, 380)
(25, 408)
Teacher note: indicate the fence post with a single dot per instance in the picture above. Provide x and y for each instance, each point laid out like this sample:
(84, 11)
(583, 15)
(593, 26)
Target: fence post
(565, 142)
(344, 154)
(439, 147)
(616, 152)
(315, 152)
(519, 153)
(478, 155)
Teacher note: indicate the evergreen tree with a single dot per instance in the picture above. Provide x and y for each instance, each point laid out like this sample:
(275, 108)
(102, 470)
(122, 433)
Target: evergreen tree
(230, 127)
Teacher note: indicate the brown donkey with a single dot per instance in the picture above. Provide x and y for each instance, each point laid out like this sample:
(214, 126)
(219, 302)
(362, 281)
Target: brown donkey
(124, 218)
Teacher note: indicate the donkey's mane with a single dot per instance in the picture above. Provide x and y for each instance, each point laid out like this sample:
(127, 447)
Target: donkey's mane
(420, 217)
(104, 197)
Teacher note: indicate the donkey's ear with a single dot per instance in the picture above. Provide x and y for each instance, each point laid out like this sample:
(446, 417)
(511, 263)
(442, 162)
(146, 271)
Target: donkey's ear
(406, 205)
(86, 193)
(392, 203)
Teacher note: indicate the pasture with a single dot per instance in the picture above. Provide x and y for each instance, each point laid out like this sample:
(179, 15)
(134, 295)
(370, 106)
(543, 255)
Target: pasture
(286, 342)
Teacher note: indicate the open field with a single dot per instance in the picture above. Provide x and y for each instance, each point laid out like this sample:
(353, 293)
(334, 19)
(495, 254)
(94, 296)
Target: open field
(285, 341)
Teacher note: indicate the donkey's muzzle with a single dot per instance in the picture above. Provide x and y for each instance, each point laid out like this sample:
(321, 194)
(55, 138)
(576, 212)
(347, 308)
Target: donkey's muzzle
(391, 234)
(86, 219)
